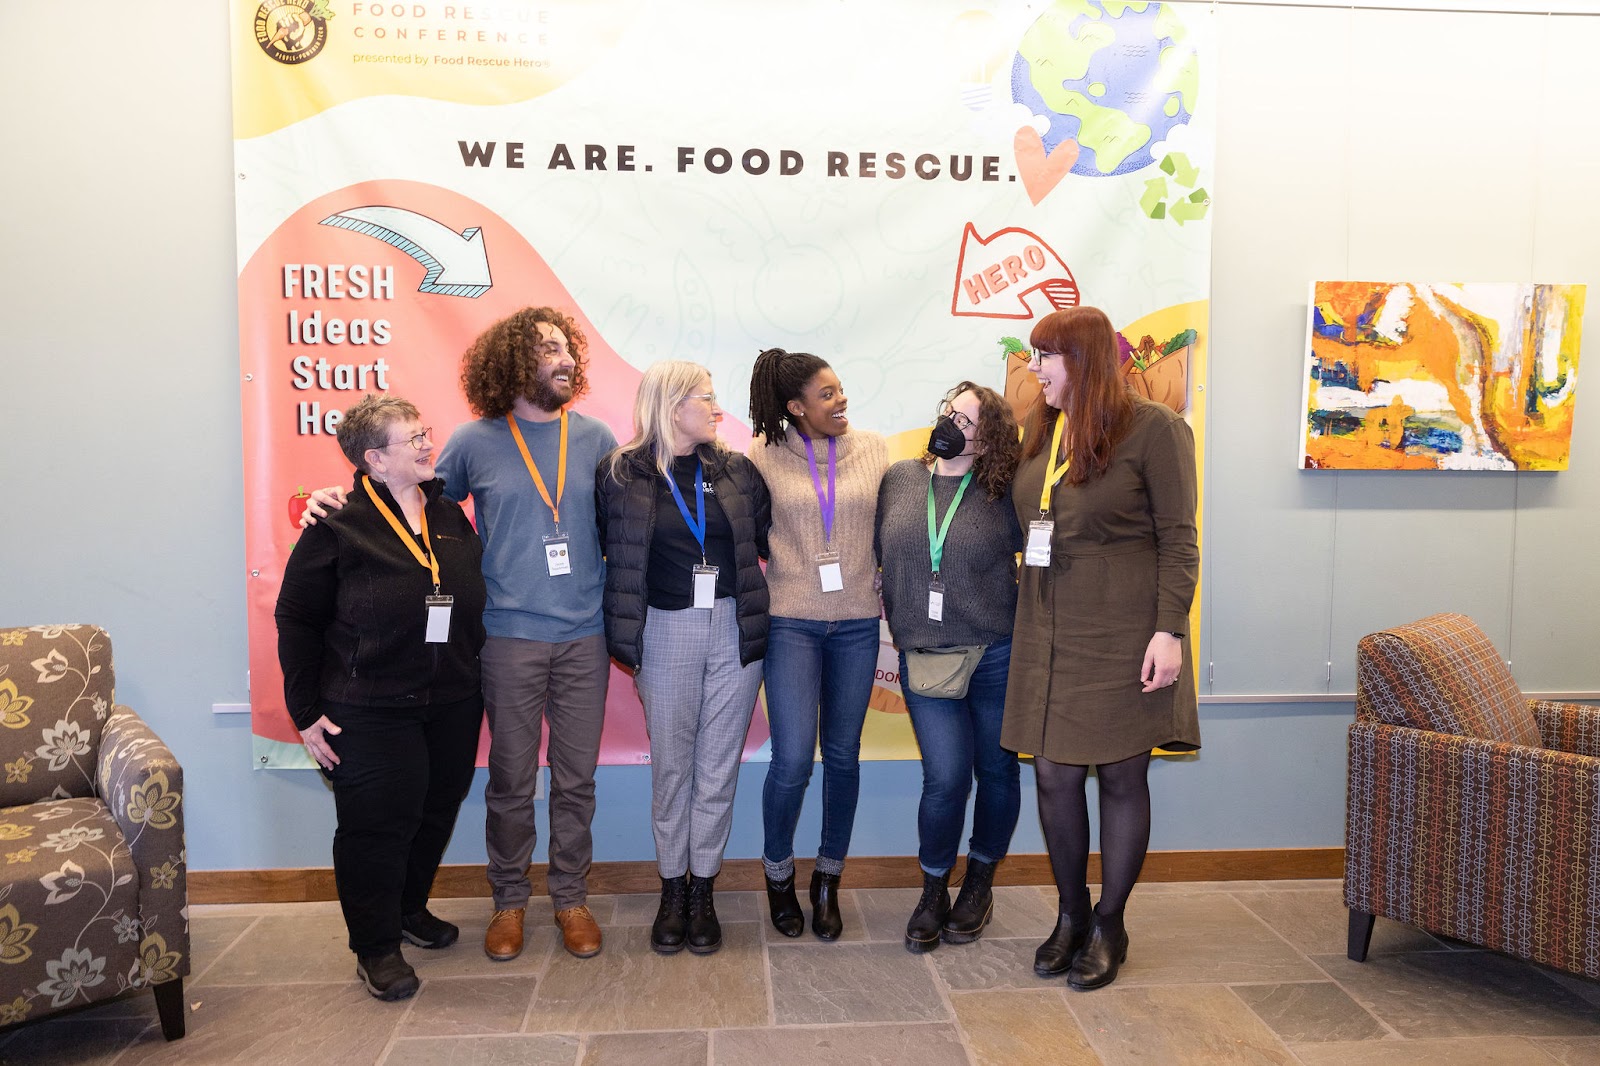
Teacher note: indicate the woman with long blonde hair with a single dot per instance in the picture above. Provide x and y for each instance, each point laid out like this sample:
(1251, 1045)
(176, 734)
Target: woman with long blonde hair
(683, 522)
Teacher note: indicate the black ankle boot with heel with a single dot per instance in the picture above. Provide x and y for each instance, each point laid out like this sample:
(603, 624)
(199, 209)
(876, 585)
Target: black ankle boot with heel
(787, 918)
(825, 919)
(1107, 949)
(1055, 955)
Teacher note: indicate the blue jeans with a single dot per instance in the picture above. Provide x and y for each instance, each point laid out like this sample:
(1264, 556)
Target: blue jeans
(960, 738)
(819, 678)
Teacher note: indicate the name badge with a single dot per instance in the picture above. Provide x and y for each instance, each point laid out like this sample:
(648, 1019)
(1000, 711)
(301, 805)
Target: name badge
(705, 587)
(936, 601)
(438, 631)
(828, 569)
(557, 557)
(1038, 550)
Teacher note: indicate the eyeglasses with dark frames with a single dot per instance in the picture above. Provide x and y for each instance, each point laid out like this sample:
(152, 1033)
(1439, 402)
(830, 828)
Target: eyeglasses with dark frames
(417, 441)
(963, 423)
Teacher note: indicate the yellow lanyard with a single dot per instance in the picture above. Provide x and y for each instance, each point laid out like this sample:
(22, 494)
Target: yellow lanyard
(400, 531)
(1053, 473)
(561, 465)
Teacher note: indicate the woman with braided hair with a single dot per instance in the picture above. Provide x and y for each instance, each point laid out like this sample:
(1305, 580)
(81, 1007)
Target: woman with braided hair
(822, 645)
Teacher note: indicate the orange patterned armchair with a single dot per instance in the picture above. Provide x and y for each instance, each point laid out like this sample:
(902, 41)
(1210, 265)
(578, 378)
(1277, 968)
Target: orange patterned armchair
(1471, 812)
(93, 900)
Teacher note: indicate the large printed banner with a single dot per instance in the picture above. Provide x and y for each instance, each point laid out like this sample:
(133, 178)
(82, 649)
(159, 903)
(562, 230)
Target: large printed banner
(896, 186)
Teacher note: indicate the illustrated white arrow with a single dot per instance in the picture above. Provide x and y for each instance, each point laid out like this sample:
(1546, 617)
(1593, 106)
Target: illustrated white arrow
(457, 263)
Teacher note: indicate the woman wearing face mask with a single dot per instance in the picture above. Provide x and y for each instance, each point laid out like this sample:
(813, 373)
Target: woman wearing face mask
(1100, 669)
(822, 650)
(947, 535)
(683, 522)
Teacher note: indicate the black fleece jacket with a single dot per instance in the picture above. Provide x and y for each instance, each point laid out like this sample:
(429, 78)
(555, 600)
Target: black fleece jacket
(351, 617)
(626, 513)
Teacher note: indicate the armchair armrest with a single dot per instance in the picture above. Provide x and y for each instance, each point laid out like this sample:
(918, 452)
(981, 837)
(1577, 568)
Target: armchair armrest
(1571, 727)
(1486, 841)
(141, 783)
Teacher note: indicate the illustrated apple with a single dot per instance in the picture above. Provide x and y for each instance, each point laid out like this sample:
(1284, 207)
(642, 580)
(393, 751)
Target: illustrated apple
(297, 505)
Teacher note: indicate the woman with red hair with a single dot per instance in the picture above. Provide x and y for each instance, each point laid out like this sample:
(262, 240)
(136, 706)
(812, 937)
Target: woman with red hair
(1100, 661)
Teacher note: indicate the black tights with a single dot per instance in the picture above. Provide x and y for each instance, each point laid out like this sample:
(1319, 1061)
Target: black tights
(1124, 829)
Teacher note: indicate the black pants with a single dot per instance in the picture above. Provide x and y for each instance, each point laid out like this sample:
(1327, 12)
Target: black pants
(402, 775)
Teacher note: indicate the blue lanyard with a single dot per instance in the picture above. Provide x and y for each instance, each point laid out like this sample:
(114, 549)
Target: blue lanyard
(697, 524)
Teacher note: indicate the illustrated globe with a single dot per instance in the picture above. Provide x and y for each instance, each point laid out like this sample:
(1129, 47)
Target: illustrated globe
(1116, 77)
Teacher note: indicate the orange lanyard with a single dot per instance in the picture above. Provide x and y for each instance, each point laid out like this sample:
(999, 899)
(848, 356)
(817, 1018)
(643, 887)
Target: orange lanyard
(1052, 472)
(400, 531)
(561, 465)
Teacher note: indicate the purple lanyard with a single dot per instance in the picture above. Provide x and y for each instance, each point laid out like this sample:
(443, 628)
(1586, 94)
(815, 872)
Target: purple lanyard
(824, 502)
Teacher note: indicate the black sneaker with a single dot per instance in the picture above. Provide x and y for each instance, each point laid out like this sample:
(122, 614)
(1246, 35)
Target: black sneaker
(388, 977)
(427, 931)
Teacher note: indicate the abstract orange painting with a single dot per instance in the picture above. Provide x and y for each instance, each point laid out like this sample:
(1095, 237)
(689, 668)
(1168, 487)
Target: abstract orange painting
(1408, 376)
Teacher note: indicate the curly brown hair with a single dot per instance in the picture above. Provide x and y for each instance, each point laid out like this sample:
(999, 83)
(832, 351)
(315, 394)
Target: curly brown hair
(500, 367)
(1001, 451)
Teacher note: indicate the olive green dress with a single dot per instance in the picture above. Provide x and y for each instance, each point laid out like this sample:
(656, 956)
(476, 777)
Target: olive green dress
(1124, 562)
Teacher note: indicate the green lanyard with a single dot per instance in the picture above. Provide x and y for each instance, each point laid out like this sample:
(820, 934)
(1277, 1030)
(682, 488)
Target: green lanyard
(937, 531)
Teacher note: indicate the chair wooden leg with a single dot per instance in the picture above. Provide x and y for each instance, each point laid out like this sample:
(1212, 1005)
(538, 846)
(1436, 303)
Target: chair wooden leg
(169, 1005)
(1360, 935)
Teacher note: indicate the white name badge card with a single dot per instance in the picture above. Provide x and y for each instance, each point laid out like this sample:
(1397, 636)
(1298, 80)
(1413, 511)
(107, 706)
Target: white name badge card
(1038, 550)
(705, 587)
(936, 601)
(438, 631)
(557, 557)
(828, 569)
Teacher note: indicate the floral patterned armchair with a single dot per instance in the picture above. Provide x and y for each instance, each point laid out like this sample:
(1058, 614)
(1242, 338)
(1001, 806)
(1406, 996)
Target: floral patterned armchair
(93, 900)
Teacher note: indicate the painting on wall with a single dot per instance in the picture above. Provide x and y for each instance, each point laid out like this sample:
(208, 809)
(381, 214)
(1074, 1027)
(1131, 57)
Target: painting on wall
(1409, 376)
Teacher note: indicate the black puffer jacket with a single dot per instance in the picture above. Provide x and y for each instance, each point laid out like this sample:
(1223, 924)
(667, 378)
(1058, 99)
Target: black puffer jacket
(626, 514)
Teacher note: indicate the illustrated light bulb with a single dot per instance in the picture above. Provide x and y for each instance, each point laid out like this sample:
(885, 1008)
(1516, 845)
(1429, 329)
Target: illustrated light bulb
(978, 51)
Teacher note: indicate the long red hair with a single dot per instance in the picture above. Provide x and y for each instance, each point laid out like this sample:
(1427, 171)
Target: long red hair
(1096, 400)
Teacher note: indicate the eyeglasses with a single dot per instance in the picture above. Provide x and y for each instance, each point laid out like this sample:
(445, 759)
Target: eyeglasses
(1039, 355)
(963, 423)
(708, 397)
(417, 442)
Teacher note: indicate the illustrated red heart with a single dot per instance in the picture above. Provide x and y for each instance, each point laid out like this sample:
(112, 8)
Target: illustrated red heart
(1040, 172)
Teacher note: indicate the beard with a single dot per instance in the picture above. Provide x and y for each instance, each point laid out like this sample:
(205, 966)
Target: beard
(545, 394)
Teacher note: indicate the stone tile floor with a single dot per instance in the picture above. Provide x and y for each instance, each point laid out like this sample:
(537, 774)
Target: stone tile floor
(1226, 972)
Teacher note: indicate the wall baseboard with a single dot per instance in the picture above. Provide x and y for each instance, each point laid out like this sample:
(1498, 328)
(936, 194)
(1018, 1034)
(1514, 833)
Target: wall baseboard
(745, 875)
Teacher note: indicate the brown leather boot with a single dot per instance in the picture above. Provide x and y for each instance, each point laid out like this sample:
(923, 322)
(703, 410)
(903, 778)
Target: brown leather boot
(580, 933)
(503, 939)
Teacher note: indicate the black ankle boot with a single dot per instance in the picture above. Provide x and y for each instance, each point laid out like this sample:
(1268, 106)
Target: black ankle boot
(671, 924)
(974, 904)
(825, 919)
(1096, 965)
(1055, 955)
(787, 917)
(922, 931)
(705, 932)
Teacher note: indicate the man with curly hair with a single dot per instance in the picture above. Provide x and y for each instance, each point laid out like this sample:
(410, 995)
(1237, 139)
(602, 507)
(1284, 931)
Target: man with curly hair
(528, 463)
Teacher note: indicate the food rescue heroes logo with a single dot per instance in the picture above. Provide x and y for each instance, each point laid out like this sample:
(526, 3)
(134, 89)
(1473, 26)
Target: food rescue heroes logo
(292, 31)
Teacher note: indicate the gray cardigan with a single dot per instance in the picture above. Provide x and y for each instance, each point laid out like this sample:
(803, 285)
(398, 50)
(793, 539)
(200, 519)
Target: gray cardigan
(978, 570)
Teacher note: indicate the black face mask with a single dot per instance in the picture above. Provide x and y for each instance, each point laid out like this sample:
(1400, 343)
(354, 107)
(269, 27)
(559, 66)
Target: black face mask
(946, 441)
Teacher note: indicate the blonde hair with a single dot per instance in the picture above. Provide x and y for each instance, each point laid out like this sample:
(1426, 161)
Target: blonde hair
(664, 386)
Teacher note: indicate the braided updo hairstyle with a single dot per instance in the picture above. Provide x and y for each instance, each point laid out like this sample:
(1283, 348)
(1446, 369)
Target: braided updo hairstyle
(778, 377)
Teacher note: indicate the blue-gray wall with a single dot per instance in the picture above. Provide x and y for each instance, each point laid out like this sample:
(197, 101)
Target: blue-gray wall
(1361, 143)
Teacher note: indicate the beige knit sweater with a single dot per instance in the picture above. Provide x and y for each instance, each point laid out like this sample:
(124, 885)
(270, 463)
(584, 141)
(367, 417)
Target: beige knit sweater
(796, 537)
